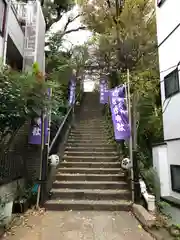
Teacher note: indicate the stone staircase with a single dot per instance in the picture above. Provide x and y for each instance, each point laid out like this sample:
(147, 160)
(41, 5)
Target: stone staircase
(90, 177)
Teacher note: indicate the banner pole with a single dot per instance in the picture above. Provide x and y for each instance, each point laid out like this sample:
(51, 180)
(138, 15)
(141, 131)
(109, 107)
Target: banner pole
(130, 125)
(41, 160)
(44, 177)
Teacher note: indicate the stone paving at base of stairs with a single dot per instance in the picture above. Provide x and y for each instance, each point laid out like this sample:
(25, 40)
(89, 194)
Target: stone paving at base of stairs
(84, 225)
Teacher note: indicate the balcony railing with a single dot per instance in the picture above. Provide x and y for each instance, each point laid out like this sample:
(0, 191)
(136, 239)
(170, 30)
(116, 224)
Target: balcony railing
(19, 10)
(25, 12)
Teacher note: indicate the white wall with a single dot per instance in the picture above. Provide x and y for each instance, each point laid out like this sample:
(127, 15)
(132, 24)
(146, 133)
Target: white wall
(164, 156)
(161, 165)
(167, 17)
(16, 32)
(40, 38)
(169, 55)
(1, 47)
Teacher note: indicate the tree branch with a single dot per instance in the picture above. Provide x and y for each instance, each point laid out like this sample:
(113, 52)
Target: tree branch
(74, 30)
(108, 3)
(70, 20)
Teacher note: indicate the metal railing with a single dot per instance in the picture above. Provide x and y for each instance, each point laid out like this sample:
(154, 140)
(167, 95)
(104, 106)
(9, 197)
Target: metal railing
(63, 128)
(66, 123)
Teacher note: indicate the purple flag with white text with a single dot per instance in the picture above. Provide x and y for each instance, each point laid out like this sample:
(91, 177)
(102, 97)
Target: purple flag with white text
(72, 92)
(35, 129)
(119, 113)
(104, 92)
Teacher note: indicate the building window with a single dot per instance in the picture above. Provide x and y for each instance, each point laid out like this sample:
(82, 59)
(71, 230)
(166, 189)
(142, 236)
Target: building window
(175, 178)
(2, 15)
(171, 83)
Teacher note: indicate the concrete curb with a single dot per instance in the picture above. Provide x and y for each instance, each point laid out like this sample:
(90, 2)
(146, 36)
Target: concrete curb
(146, 219)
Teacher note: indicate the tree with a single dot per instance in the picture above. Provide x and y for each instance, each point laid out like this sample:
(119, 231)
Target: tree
(60, 64)
(131, 45)
(55, 10)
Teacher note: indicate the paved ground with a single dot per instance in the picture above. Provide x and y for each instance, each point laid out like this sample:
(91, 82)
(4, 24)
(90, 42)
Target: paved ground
(81, 226)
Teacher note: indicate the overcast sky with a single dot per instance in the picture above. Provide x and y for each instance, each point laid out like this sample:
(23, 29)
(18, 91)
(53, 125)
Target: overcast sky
(76, 38)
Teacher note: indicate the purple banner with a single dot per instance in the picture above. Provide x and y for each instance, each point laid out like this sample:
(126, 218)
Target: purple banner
(119, 113)
(72, 92)
(104, 92)
(35, 132)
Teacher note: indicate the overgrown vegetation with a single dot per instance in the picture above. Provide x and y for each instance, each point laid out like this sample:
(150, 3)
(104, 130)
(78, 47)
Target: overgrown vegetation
(22, 96)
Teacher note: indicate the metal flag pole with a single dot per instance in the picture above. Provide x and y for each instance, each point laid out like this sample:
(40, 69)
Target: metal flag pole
(44, 174)
(130, 125)
(49, 121)
(41, 159)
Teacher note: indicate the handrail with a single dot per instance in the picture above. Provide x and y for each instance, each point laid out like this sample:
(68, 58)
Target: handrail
(62, 124)
(60, 128)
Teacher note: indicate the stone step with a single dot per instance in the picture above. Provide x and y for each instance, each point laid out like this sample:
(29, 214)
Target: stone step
(96, 119)
(96, 158)
(90, 170)
(87, 132)
(81, 164)
(85, 205)
(89, 140)
(89, 177)
(90, 153)
(88, 149)
(89, 145)
(88, 125)
(90, 128)
(88, 137)
(91, 194)
(96, 136)
(90, 184)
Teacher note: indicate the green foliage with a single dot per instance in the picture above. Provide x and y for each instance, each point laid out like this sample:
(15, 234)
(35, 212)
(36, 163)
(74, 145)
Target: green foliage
(54, 10)
(22, 96)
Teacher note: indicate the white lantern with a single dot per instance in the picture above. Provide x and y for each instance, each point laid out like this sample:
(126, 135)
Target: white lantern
(54, 160)
(126, 163)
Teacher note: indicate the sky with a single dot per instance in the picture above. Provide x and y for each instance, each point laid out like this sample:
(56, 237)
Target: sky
(76, 38)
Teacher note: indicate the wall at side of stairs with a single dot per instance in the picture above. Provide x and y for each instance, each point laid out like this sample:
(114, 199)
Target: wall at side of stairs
(10, 190)
(30, 153)
(31, 161)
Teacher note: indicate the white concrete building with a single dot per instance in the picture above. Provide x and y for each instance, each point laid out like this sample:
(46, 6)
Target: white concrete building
(166, 156)
(22, 34)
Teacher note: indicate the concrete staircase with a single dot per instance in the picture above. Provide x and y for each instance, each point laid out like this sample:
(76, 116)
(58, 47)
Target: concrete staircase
(90, 177)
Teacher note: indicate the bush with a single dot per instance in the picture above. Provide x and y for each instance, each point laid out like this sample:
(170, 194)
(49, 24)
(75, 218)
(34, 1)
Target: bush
(22, 96)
